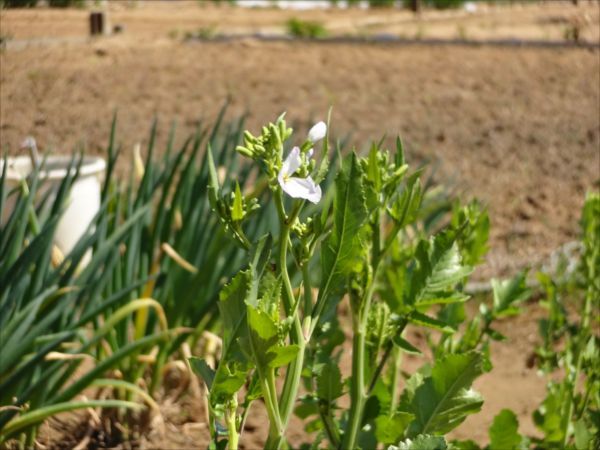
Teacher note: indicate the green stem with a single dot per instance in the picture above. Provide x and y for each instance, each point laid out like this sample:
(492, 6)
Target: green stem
(357, 389)
(211, 424)
(358, 394)
(388, 350)
(582, 338)
(330, 427)
(231, 424)
(397, 360)
(275, 427)
(30, 438)
(293, 374)
(308, 300)
(395, 379)
(269, 391)
(294, 371)
(244, 417)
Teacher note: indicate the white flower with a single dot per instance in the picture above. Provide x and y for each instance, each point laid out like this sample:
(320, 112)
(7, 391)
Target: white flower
(296, 187)
(317, 132)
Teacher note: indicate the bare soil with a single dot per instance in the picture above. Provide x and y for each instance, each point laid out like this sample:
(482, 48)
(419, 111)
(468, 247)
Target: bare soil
(518, 128)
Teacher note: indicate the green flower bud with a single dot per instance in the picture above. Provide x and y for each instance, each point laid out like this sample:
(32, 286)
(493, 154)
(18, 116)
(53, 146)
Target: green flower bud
(244, 151)
(248, 137)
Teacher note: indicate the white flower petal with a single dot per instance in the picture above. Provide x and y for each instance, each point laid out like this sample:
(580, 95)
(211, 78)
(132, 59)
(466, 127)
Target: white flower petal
(302, 188)
(291, 163)
(317, 132)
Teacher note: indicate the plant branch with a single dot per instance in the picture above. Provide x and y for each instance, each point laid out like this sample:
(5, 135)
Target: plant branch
(388, 350)
(294, 371)
(360, 317)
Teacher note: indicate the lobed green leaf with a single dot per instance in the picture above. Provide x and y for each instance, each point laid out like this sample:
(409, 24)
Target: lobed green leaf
(444, 398)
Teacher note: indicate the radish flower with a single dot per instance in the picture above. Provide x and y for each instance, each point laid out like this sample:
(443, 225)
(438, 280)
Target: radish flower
(317, 132)
(297, 187)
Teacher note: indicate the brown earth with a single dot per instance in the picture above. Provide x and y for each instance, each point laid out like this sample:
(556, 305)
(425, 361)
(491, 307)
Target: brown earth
(518, 128)
(551, 20)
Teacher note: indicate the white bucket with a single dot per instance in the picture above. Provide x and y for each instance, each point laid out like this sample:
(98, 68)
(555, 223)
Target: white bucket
(84, 200)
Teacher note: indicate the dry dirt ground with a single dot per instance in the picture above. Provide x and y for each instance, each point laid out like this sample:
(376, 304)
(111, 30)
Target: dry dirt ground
(519, 128)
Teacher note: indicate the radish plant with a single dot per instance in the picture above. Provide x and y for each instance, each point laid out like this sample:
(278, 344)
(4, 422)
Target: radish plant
(568, 418)
(378, 241)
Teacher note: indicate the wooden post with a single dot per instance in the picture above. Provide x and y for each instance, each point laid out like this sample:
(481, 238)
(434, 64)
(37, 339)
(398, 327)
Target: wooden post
(99, 23)
(415, 5)
(96, 23)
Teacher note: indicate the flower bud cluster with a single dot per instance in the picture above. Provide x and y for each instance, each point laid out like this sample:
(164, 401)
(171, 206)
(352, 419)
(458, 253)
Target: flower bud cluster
(268, 147)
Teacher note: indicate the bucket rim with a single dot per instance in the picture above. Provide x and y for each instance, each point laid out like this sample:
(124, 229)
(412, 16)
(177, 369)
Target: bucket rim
(21, 166)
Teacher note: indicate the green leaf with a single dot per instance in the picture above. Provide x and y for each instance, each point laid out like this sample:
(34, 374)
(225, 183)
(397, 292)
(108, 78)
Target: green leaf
(232, 307)
(406, 206)
(282, 356)
(504, 434)
(263, 330)
(438, 270)
(474, 223)
(229, 378)
(265, 341)
(259, 258)
(203, 370)
(342, 249)
(235, 364)
(373, 170)
(237, 209)
(405, 345)
(390, 429)
(583, 436)
(308, 407)
(509, 293)
(269, 293)
(213, 184)
(444, 298)
(465, 445)
(329, 383)
(495, 335)
(422, 442)
(549, 416)
(445, 398)
(429, 322)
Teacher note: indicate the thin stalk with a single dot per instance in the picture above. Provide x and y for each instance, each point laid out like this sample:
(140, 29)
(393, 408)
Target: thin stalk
(397, 359)
(212, 431)
(386, 354)
(357, 389)
(30, 438)
(244, 417)
(294, 371)
(157, 371)
(330, 427)
(275, 426)
(395, 379)
(358, 394)
(308, 299)
(293, 375)
(230, 419)
(582, 339)
(267, 383)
